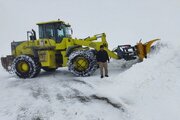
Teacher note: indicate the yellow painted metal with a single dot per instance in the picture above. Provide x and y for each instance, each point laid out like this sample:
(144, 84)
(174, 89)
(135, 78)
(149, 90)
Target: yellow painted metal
(44, 43)
(112, 54)
(92, 43)
(65, 58)
(22, 49)
(55, 21)
(27, 46)
(144, 49)
(42, 57)
(141, 51)
(23, 66)
(47, 58)
(149, 44)
(81, 64)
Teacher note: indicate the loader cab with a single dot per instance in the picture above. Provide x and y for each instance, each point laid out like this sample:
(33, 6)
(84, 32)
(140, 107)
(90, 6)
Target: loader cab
(56, 30)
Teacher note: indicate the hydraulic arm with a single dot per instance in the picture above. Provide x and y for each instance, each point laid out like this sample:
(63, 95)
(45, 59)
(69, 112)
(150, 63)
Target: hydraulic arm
(126, 52)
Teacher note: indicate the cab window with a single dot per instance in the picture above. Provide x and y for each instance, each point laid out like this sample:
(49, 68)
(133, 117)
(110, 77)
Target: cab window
(41, 31)
(60, 32)
(49, 32)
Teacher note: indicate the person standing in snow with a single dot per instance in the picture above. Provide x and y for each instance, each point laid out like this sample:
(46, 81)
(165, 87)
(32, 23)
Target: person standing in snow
(102, 58)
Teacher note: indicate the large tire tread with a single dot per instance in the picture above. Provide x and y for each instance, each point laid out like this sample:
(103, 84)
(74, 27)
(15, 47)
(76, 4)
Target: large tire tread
(87, 54)
(34, 66)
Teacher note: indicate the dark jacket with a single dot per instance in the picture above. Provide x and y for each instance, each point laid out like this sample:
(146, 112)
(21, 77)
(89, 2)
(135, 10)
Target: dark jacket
(102, 56)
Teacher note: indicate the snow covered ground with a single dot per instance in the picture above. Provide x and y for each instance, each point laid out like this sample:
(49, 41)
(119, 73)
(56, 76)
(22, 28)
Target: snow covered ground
(143, 91)
(59, 95)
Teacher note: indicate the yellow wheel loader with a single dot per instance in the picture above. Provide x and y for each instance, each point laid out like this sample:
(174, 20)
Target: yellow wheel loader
(56, 48)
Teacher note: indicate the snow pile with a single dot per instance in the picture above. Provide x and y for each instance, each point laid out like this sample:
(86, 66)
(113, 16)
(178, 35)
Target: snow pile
(150, 89)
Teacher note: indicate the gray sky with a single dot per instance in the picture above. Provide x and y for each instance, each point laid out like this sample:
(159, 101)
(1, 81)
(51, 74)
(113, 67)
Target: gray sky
(124, 21)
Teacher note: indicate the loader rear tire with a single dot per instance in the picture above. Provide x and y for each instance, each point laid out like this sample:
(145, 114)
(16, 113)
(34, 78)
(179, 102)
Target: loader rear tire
(82, 63)
(26, 66)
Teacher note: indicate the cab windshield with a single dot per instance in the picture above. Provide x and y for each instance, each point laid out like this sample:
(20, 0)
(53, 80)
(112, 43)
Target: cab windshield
(55, 31)
(64, 31)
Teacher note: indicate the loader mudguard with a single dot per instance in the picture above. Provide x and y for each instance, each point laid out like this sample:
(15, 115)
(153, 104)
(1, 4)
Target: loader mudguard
(71, 49)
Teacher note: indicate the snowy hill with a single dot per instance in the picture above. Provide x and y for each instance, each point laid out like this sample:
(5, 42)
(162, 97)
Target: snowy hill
(150, 89)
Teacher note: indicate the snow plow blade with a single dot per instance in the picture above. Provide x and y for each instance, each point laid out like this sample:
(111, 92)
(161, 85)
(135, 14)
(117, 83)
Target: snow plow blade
(144, 49)
(140, 50)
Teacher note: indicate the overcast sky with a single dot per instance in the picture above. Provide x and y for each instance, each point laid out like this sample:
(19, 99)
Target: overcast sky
(124, 21)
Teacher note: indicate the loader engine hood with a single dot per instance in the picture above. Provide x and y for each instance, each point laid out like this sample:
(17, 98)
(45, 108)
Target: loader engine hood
(14, 45)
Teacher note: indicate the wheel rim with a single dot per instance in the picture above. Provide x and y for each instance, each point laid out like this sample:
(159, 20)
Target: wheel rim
(23, 66)
(81, 64)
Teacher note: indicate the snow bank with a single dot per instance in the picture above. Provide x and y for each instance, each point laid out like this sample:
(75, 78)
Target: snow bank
(150, 89)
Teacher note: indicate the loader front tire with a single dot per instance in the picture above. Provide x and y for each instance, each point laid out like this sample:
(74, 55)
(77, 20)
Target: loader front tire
(82, 63)
(26, 66)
